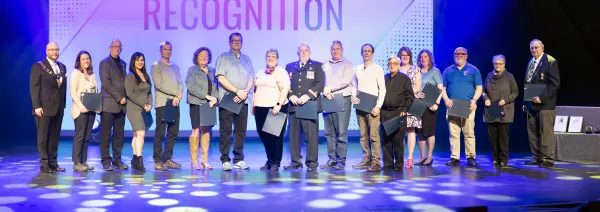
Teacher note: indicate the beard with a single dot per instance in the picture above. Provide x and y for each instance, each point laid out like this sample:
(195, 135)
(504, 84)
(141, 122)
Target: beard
(460, 62)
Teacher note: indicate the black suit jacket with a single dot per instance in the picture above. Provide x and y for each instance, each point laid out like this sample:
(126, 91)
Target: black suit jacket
(309, 80)
(44, 90)
(545, 73)
(113, 85)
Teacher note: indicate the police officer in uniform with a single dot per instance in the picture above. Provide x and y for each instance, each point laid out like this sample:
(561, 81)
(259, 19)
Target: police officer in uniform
(308, 80)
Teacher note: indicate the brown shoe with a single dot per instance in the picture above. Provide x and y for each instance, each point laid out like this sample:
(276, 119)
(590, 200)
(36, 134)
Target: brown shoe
(172, 165)
(375, 167)
(362, 165)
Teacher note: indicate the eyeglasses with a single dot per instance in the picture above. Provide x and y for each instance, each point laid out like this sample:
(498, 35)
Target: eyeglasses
(460, 54)
(236, 41)
(404, 55)
(53, 50)
(535, 47)
(117, 47)
(498, 64)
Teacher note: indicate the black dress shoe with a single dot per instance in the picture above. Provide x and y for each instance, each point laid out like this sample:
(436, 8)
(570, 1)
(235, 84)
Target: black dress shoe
(388, 168)
(57, 168)
(265, 167)
(502, 164)
(533, 162)
(310, 169)
(453, 162)
(119, 165)
(471, 161)
(46, 169)
(292, 167)
(107, 167)
(330, 164)
(274, 168)
(546, 164)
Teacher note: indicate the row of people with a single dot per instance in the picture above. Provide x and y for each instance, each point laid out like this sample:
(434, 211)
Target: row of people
(276, 90)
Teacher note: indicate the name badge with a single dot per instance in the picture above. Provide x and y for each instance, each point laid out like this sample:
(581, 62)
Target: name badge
(466, 72)
(310, 75)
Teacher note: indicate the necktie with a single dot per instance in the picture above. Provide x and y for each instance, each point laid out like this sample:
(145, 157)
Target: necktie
(530, 71)
(57, 72)
(301, 65)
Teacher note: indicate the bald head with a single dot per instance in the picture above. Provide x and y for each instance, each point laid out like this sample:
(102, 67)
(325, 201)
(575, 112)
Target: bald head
(303, 53)
(52, 50)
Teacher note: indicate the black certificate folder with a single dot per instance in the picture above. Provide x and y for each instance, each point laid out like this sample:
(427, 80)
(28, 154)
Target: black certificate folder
(333, 105)
(460, 108)
(227, 103)
(92, 101)
(532, 90)
(208, 115)
(417, 107)
(148, 120)
(307, 111)
(367, 102)
(494, 111)
(274, 123)
(392, 125)
(431, 94)
(170, 112)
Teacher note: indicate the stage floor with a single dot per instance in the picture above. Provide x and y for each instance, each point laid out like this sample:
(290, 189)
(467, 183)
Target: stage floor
(437, 188)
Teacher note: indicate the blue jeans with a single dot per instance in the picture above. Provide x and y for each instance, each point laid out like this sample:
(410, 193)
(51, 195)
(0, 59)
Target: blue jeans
(336, 132)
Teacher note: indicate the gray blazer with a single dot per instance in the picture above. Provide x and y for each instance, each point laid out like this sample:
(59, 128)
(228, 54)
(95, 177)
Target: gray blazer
(113, 85)
(137, 95)
(197, 85)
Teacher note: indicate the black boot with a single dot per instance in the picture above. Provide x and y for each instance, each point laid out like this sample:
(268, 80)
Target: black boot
(134, 162)
(140, 164)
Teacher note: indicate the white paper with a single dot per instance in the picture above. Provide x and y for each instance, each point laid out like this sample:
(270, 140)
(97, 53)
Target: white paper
(560, 123)
(575, 124)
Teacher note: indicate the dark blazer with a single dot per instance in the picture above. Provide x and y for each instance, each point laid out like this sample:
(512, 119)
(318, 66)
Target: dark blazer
(113, 85)
(545, 73)
(44, 90)
(309, 80)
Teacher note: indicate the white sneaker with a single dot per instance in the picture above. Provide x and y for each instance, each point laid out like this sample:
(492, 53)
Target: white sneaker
(226, 166)
(241, 165)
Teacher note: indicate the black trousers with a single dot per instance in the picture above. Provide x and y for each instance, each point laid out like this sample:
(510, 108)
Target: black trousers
(392, 146)
(48, 134)
(116, 122)
(540, 130)
(83, 132)
(310, 128)
(273, 144)
(240, 124)
(499, 138)
(172, 129)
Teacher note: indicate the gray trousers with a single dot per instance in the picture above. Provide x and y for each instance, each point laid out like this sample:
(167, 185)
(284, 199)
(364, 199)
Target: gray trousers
(336, 132)
(540, 130)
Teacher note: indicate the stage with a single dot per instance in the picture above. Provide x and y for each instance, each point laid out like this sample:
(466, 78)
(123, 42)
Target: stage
(438, 188)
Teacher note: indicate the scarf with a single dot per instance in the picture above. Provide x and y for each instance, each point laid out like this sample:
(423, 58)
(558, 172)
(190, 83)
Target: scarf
(494, 79)
(269, 71)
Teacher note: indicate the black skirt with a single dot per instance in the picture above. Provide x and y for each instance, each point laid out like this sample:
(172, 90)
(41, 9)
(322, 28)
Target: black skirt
(428, 122)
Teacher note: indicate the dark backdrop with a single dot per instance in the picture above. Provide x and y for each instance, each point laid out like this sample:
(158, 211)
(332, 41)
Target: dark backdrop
(568, 29)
